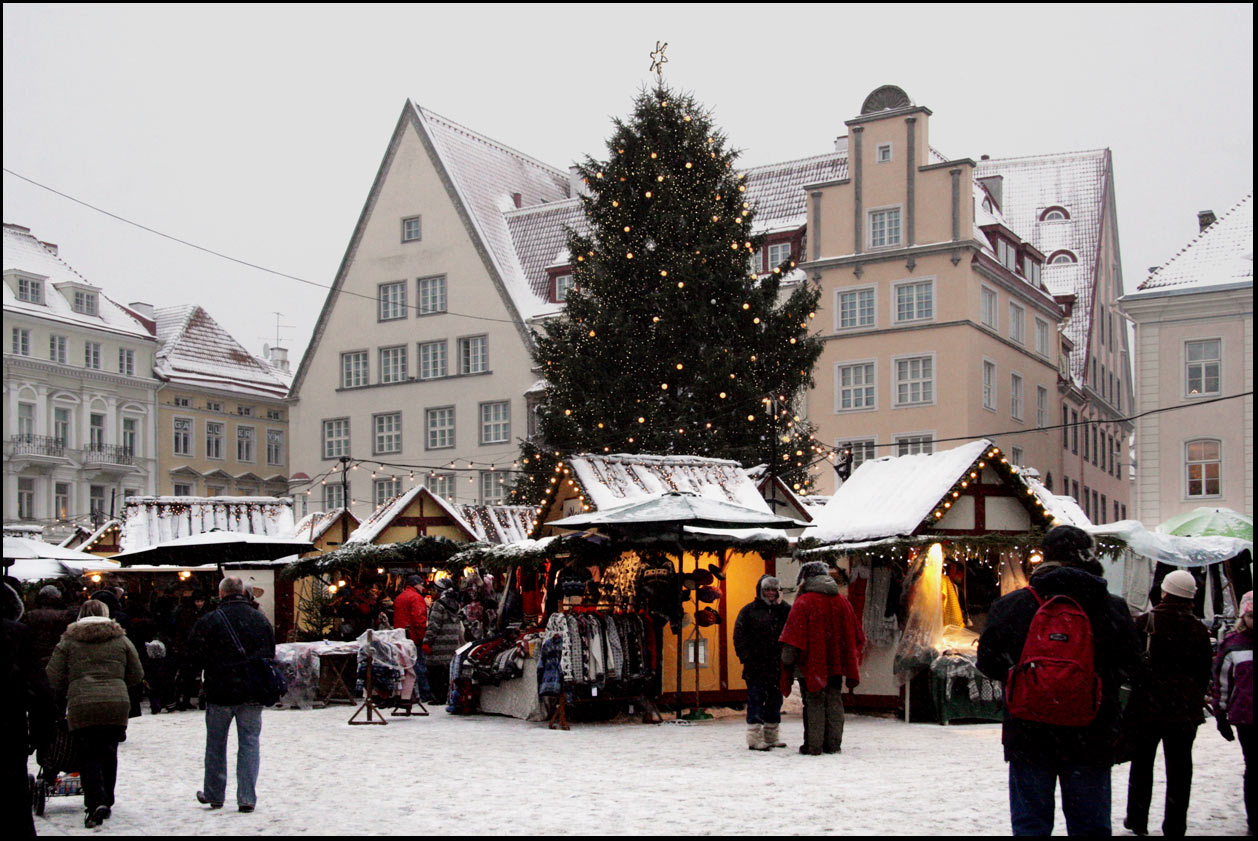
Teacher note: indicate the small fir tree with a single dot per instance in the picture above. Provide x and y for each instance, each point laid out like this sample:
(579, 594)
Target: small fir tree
(670, 342)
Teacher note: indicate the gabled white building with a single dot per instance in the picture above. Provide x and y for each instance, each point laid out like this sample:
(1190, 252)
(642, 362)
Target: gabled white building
(80, 398)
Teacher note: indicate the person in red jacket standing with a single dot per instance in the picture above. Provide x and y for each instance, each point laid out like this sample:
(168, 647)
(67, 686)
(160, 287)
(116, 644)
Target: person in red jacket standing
(410, 611)
(822, 644)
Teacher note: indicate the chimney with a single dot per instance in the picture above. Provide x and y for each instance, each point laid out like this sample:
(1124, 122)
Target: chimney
(984, 157)
(518, 198)
(995, 185)
(1205, 218)
(279, 358)
(840, 144)
(576, 185)
(143, 309)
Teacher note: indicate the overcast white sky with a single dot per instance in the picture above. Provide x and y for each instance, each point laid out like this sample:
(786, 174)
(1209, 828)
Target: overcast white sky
(256, 130)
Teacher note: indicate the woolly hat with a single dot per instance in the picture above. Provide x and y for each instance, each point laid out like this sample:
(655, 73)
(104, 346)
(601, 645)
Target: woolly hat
(811, 570)
(767, 582)
(1179, 583)
(1247, 603)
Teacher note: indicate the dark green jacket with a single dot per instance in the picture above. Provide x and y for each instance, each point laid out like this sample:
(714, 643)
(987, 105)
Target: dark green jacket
(93, 665)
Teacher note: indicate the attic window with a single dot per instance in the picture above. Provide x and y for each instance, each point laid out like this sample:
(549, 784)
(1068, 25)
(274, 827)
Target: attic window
(30, 289)
(1061, 257)
(884, 153)
(1055, 214)
(85, 302)
(410, 229)
(563, 285)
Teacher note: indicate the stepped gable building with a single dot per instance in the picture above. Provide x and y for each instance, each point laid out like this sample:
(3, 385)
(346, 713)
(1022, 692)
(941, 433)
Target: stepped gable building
(931, 276)
(80, 398)
(223, 419)
(1194, 338)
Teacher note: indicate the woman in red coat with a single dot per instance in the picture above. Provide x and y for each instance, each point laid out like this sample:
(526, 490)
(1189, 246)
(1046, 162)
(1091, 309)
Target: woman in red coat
(822, 645)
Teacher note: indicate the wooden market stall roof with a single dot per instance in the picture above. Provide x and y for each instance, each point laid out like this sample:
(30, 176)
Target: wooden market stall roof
(416, 513)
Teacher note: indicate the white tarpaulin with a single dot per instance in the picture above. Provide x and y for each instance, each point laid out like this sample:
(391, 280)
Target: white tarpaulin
(1172, 549)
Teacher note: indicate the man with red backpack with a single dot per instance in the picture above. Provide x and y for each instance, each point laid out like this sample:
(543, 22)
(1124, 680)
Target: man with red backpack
(1063, 645)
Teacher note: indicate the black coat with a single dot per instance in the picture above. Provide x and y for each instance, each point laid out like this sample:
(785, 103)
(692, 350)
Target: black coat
(229, 677)
(1117, 658)
(26, 701)
(1179, 661)
(756, 632)
(47, 624)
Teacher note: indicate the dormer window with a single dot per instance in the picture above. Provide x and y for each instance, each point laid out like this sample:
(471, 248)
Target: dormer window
(884, 153)
(563, 285)
(1061, 257)
(1055, 214)
(30, 289)
(779, 253)
(85, 302)
(1031, 269)
(1007, 253)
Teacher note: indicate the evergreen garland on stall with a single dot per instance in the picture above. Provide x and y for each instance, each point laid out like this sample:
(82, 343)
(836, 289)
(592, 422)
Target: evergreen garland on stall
(669, 343)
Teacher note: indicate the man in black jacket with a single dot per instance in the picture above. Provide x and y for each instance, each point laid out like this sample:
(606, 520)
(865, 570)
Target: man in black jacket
(1040, 754)
(756, 633)
(230, 644)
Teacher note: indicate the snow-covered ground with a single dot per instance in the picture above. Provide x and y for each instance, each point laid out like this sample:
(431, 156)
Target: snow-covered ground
(487, 775)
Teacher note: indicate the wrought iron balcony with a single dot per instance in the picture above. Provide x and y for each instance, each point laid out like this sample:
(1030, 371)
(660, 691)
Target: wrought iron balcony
(37, 445)
(96, 453)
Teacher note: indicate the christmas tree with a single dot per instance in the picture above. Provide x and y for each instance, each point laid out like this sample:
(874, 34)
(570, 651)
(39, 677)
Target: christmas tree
(669, 342)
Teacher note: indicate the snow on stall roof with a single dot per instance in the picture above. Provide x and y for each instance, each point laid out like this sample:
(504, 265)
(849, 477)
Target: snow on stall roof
(23, 252)
(150, 520)
(498, 523)
(614, 480)
(196, 350)
(380, 519)
(1065, 509)
(1221, 254)
(316, 524)
(892, 495)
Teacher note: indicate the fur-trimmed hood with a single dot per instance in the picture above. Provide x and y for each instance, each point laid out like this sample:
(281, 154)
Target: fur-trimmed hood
(95, 629)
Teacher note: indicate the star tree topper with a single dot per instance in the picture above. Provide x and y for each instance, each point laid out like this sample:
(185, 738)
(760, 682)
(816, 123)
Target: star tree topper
(658, 59)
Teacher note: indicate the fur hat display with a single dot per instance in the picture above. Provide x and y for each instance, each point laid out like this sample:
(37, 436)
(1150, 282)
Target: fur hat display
(1179, 583)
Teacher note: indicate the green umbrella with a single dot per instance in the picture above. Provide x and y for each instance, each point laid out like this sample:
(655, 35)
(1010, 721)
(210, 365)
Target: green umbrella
(1201, 522)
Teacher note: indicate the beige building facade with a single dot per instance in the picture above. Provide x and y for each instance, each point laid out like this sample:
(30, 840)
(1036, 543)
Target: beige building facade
(1194, 329)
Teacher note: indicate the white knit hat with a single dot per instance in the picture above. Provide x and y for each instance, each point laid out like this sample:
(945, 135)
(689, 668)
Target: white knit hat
(1179, 583)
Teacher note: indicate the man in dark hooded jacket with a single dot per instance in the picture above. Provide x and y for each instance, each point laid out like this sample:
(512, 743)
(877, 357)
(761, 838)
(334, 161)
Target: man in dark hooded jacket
(756, 633)
(48, 621)
(1040, 754)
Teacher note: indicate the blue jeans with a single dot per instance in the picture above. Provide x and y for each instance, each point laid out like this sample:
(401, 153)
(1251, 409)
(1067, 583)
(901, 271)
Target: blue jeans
(218, 721)
(764, 704)
(1085, 798)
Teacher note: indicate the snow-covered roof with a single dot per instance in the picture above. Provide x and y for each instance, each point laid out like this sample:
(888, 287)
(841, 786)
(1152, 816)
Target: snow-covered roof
(316, 524)
(149, 520)
(1076, 182)
(614, 480)
(891, 496)
(24, 253)
(383, 517)
(498, 523)
(1221, 254)
(1065, 509)
(486, 174)
(196, 350)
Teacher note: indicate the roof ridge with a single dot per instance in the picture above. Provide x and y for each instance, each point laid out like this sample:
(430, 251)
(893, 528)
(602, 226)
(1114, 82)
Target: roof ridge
(546, 205)
(428, 113)
(1076, 153)
(796, 161)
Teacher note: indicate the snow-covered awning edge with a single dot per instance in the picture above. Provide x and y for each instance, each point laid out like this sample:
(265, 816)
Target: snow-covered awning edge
(1169, 548)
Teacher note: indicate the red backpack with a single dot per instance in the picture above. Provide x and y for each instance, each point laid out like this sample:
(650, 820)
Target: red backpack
(1056, 682)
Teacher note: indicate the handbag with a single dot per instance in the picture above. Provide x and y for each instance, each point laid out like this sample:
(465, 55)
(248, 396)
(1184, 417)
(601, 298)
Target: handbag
(264, 673)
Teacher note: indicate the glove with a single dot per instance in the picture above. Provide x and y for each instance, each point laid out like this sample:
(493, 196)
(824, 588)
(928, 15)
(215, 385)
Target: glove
(790, 655)
(851, 684)
(1225, 729)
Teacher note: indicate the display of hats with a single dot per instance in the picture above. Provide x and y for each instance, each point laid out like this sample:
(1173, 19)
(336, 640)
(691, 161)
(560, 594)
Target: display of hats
(706, 617)
(716, 570)
(709, 594)
(696, 578)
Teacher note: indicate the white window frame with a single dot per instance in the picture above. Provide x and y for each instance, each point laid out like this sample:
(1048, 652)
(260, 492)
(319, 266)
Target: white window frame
(1017, 396)
(563, 285)
(884, 153)
(896, 402)
(335, 437)
(126, 361)
(246, 444)
(434, 362)
(441, 484)
(26, 497)
(215, 437)
(989, 305)
(859, 294)
(991, 390)
(182, 436)
(275, 447)
(493, 490)
(473, 355)
(130, 435)
(61, 492)
(1041, 406)
(391, 300)
(863, 450)
(871, 218)
(62, 426)
(355, 368)
(1201, 364)
(867, 388)
(916, 284)
(386, 433)
(432, 294)
(439, 428)
(58, 347)
(26, 420)
(383, 490)
(1017, 322)
(85, 302)
(412, 232)
(495, 422)
(1203, 461)
(30, 289)
(334, 495)
(912, 443)
(21, 341)
(392, 362)
(1042, 341)
(777, 248)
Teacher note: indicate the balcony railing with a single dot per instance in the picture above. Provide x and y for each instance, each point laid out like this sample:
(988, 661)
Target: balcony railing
(37, 445)
(95, 453)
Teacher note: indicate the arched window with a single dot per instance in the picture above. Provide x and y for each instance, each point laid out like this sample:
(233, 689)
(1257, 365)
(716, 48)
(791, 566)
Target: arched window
(1203, 462)
(1060, 257)
(1055, 214)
